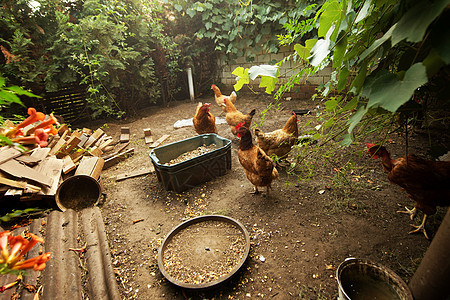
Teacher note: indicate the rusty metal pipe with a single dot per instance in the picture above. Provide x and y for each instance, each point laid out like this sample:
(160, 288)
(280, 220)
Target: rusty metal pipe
(431, 279)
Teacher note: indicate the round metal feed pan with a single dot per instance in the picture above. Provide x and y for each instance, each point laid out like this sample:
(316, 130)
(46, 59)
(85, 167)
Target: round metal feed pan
(190, 223)
(78, 192)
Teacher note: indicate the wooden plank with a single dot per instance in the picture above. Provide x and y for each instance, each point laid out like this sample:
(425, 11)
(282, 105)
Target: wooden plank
(95, 151)
(117, 152)
(116, 158)
(18, 170)
(40, 153)
(148, 136)
(135, 174)
(106, 144)
(94, 137)
(83, 139)
(53, 141)
(108, 148)
(63, 129)
(100, 140)
(14, 192)
(91, 166)
(7, 153)
(68, 146)
(124, 134)
(51, 167)
(28, 159)
(77, 152)
(57, 147)
(68, 164)
(76, 133)
(160, 141)
(29, 188)
(87, 131)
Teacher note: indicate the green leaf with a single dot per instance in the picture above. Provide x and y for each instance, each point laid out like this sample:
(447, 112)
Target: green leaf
(357, 83)
(208, 25)
(263, 70)
(356, 118)
(191, 12)
(319, 52)
(9, 97)
(343, 77)
(390, 93)
(351, 105)
(269, 83)
(377, 43)
(4, 139)
(20, 91)
(178, 7)
(242, 77)
(433, 62)
(331, 13)
(304, 51)
(347, 141)
(331, 105)
(363, 12)
(413, 25)
(339, 49)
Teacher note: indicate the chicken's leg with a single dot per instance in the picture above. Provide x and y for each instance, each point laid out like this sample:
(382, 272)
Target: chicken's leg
(411, 212)
(421, 227)
(256, 191)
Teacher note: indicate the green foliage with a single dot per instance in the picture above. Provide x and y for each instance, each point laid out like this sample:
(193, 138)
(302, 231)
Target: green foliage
(242, 29)
(118, 49)
(382, 53)
(16, 213)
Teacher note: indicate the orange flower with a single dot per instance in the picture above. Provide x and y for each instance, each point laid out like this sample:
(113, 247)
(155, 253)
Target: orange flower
(19, 246)
(39, 137)
(50, 121)
(34, 116)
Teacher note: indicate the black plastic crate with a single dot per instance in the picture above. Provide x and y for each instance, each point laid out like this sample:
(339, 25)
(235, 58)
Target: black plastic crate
(190, 173)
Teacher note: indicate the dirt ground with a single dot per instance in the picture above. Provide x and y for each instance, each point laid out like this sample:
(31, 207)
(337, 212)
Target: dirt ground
(299, 234)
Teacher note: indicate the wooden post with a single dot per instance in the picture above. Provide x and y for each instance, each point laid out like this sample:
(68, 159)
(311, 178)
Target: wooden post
(431, 279)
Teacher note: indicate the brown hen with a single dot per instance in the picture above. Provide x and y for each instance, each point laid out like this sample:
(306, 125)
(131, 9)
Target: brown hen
(220, 98)
(203, 120)
(234, 117)
(280, 141)
(427, 182)
(258, 167)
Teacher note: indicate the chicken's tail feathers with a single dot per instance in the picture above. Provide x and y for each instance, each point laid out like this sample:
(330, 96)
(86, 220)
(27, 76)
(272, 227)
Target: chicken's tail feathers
(252, 112)
(258, 132)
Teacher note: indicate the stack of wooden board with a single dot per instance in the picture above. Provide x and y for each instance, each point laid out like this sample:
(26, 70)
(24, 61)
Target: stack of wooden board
(33, 174)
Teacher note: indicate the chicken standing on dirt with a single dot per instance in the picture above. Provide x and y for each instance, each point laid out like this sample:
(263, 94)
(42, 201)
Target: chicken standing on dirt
(220, 98)
(426, 182)
(280, 141)
(234, 117)
(258, 167)
(203, 120)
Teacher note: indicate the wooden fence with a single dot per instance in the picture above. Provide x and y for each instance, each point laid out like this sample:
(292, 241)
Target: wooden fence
(69, 102)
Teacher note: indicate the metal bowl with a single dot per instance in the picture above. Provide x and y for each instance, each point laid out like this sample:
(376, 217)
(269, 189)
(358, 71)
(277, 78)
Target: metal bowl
(201, 255)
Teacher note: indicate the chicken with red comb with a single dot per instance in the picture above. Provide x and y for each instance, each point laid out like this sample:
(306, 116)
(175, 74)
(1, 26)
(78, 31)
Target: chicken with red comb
(258, 167)
(427, 182)
(203, 120)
